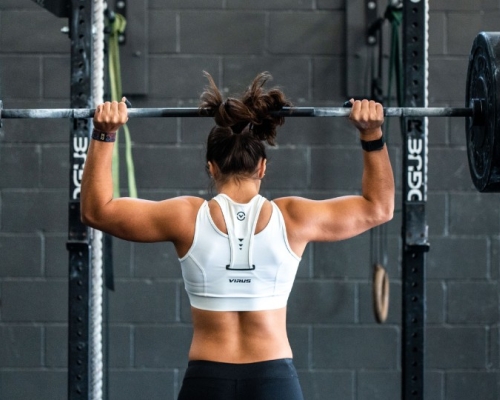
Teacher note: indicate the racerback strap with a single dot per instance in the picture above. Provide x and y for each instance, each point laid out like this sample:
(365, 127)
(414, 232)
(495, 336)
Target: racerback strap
(241, 220)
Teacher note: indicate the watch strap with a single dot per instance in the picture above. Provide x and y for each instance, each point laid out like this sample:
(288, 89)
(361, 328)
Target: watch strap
(373, 145)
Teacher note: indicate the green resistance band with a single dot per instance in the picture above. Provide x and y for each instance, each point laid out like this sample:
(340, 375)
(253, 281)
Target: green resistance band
(117, 27)
(395, 16)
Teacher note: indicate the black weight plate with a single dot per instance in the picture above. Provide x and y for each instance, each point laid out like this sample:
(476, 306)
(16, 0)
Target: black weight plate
(483, 82)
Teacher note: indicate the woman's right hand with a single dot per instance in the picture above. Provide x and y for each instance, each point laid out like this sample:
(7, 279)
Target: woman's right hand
(110, 116)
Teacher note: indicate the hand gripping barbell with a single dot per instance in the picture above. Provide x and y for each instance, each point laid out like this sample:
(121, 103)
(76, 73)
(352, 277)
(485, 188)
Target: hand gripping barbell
(482, 112)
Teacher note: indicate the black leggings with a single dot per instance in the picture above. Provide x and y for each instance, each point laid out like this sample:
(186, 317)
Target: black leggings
(266, 380)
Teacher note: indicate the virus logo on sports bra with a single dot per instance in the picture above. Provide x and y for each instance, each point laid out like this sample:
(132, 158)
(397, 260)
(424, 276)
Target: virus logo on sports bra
(240, 215)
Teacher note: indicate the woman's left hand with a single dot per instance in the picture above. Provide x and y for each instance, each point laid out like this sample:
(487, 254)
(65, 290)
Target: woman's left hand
(110, 116)
(368, 117)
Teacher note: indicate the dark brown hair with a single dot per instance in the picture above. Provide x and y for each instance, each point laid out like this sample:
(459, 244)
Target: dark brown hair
(235, 144)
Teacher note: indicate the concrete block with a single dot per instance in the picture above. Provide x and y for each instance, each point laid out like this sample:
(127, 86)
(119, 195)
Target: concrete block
(32, 130)
(143, 301)
(55, 346)
(355, 347)
(437, 213)
(184, 305)
(20, 346)
(379, 385)
(460, 40)
(447, 78)
(467, 385)
(22, 211)
(335, 168)
(156, 260)
(186, 4)
(321, 385)
(434, 385)
(490, 19)
(317, 132)
(33, 384)
(195, 131)
(21, 166)
(134, 52)
(455, 347)
(490, 5)
(188, 72)
(161, 347)
(322, 302)
(457, 133)
(465, 217)
(21, 301)
(48, 38)
(459, 5)
(449, 170)
(299, 338)
(330, 4)
(56, 77)
(435, 296)
(287, 168)
(495, 260)
(494, 347)
(457, 258)
(55, 166)
(275, 5)
(328, 83)
(120, 339)
(438, 134)
(56, 260)
(137, 384)
(16, 5)
(163, 30)
(169, 168)
(247, 36)
(472, 303)
(21, 256)
(290, 74)
(343, 259)
(306, 263)
(313, 33)
(437, 31)
(123, 256)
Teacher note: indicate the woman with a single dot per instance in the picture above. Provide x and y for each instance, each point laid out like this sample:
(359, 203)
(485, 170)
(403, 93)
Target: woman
(239, 252)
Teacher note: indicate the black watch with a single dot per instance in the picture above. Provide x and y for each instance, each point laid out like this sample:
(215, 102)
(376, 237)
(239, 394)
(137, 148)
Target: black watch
(373, 145)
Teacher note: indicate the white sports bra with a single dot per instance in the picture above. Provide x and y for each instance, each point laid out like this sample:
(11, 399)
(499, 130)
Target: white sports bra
(240, 270)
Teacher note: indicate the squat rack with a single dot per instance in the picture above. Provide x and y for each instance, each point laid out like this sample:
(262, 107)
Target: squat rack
(414, 198)
(414, 231)
(78, 245)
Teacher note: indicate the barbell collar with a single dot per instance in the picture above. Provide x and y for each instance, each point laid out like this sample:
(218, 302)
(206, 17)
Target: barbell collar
(195, 112)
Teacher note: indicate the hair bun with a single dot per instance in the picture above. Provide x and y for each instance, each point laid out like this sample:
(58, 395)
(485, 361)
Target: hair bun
(253, 107)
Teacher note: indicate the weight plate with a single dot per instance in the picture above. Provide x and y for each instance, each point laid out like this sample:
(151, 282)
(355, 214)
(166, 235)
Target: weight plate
(483, 84)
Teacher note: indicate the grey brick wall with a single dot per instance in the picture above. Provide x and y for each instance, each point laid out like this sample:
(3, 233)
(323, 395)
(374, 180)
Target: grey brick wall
(340, 351)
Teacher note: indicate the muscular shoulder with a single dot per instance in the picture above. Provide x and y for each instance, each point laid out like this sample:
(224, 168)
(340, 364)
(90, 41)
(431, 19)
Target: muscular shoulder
(292, 206)
(178, 215)
(182, 207)
(187, 202)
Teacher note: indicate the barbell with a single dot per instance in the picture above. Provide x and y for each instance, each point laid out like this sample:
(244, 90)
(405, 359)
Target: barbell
(482, 113)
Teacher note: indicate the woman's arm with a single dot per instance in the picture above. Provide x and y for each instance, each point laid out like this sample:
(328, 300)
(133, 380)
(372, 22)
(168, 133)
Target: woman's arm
(344, 217)
(126, 218)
